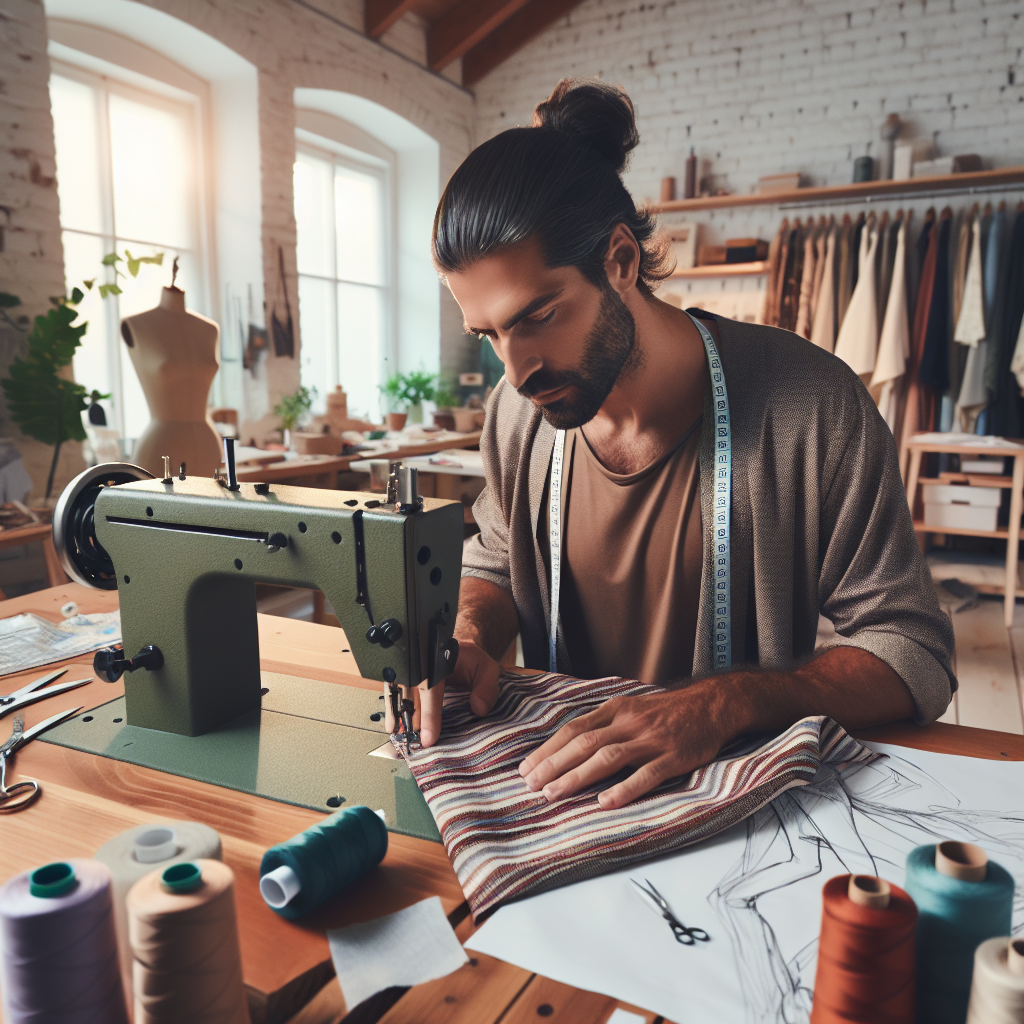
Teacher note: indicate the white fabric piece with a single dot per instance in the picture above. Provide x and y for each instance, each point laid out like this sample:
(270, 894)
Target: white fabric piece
(1017, 365)
(823, 328)
(970, 325)
(408, 947)
(803, 317)
(857, 343)
(621, 1016)
(894, 343)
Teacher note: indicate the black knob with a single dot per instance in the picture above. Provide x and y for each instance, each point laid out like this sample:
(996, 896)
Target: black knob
(276, 541)
(390, 632)
(109, 663)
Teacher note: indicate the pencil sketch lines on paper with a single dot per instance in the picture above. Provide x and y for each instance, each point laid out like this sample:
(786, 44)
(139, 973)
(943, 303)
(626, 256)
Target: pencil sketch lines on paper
(864, 819)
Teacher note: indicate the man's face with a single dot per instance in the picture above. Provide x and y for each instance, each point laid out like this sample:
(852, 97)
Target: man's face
(564, 342)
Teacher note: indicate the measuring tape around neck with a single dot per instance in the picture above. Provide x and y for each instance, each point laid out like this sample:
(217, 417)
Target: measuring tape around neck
(721, 645)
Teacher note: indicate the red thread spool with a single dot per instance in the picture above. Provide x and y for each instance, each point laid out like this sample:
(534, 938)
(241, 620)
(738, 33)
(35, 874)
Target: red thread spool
(865, 953)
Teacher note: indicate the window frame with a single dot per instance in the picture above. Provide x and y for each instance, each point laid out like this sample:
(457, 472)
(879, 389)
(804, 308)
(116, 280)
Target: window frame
(102, 78)
(375, 161)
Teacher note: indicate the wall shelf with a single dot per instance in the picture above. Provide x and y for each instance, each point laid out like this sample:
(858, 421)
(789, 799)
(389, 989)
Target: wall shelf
(723, 270)
(866, 190)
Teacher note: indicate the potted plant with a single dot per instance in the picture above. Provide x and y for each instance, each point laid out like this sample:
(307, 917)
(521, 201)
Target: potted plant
(292, 408)
(393, 390)
(419, 388)
(445, 399)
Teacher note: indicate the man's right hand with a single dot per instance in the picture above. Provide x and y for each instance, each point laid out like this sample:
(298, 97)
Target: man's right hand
(475, 671)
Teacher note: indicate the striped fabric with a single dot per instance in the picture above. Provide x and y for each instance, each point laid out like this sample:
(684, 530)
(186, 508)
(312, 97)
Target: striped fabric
(506, 842)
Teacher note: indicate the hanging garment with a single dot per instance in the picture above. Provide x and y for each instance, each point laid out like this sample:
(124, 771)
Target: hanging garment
(506, 842)
(1017, 366)
(886, 258)
(911, 421)
(974, 396)
(855, 237)
(933, 374)
(843, 288)
(970, 322)
(780, 274)
(857, 343)
(894, 343)
(961, 261)
(820, 245)
(1006, 418)
(803, 316)
(768, 305)
(793, 277)
(823, 331)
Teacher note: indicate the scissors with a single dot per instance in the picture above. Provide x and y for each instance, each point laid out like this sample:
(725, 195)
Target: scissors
(31, 693)
(654, 899)
(21, 794)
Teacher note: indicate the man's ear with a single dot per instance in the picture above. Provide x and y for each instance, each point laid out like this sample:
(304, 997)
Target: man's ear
(622, 260)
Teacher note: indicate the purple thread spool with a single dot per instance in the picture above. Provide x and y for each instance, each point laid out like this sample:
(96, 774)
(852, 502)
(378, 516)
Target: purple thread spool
(60, 954)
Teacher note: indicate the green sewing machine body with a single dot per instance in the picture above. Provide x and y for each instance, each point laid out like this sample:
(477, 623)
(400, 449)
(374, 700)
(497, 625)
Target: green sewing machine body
(188, 554)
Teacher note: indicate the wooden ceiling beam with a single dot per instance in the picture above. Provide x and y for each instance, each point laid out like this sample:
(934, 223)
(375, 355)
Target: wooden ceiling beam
(464, 26)
(515, 33)
(382, 14)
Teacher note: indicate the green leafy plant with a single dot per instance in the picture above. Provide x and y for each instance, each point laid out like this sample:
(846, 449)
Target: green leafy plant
(393, 389)
(445, 395)
(46, 405)
(419, 386)
(293, 407)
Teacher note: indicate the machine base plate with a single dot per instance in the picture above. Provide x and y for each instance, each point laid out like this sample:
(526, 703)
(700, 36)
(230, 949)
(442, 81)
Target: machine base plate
(309, 745)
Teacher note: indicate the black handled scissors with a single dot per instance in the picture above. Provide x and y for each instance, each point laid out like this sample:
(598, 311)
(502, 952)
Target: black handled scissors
(657, 903)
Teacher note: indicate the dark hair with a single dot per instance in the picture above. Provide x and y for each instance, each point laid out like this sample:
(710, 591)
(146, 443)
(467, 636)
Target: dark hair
(559, 179)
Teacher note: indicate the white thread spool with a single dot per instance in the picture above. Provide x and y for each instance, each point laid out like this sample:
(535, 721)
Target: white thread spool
(135, 853)
(279, 887)
(997, 986)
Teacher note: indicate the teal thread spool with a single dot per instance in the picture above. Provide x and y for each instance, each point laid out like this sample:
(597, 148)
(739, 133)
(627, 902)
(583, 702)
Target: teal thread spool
(298, 875)
(963, 899)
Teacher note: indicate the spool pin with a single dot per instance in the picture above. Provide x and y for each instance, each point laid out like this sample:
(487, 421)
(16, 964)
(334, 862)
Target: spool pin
(964, 861)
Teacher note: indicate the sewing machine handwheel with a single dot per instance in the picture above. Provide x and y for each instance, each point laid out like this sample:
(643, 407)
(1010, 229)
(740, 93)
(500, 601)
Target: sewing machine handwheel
(74, 532)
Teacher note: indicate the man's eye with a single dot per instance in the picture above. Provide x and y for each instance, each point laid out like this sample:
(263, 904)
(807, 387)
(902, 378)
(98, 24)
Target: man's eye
(539, 321)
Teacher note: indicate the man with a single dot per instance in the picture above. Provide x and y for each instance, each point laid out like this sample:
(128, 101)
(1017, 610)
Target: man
(547, 256)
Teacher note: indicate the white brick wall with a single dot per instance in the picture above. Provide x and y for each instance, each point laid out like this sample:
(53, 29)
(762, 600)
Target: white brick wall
(769, 86)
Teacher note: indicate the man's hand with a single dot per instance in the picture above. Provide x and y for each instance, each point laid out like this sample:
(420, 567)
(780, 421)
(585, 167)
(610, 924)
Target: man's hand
(668, 734)
(477, 672)
(661, 736)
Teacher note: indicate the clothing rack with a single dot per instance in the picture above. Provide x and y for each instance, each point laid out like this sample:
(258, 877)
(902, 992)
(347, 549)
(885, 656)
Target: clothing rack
(974, 190)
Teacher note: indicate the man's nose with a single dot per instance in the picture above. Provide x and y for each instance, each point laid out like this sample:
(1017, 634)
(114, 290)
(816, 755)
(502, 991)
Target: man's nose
(519, 369)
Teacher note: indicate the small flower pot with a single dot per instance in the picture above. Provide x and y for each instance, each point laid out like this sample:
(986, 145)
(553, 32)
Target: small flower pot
(396, 421)
(444, 419)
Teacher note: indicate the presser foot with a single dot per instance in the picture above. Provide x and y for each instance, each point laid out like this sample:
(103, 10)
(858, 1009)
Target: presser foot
(401, 712)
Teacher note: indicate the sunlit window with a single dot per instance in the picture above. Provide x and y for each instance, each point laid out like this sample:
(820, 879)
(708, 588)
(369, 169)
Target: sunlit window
(127, 177)
(341, 217)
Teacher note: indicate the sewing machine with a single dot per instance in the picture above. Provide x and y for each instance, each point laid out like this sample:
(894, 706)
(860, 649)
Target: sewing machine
(185, 554)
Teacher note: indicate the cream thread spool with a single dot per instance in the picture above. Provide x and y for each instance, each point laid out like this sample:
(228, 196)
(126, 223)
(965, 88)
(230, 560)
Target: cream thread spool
(997, 985)
(187, 965)
(135, 853)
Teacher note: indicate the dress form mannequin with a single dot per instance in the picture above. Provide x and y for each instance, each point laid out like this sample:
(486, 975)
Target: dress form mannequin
(174, 353)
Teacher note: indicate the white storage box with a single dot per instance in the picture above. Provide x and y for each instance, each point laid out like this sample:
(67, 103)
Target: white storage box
(990, 466)
(958, 507)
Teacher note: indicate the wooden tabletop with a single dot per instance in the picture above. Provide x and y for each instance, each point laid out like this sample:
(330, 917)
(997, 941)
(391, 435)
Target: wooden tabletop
(88, 799)
(320, 465)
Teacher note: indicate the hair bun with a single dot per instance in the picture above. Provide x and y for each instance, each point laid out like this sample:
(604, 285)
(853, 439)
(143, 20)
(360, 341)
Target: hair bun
(598, 114)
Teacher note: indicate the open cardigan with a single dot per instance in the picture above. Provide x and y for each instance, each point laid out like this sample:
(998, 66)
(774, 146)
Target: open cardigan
(819, 519)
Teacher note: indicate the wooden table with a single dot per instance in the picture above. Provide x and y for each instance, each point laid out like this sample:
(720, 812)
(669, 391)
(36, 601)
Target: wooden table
(1014, 484)
(36, 533)
(322, 470)
(88, 799)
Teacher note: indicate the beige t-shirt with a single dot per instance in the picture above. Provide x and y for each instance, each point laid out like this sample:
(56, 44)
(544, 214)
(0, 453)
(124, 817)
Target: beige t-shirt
(632, 563)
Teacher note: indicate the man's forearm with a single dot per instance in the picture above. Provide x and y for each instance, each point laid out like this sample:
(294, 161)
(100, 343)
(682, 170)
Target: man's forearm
(487, 616)
(849, 685)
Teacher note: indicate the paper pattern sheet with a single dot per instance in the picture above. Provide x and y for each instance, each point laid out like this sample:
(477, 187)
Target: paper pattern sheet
(408, 947)
(28, 641)
(757, 890)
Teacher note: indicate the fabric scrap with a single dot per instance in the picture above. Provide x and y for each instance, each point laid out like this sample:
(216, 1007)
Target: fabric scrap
(406, 948)
(506, 842)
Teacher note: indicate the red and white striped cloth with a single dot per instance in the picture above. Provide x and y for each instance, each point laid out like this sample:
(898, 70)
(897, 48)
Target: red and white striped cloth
(507, 842)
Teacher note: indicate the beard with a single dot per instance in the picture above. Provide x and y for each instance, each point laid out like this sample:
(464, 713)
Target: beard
(609, 350)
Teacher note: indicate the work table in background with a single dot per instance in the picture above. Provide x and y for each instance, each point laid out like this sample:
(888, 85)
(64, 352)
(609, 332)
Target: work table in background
(87, 799)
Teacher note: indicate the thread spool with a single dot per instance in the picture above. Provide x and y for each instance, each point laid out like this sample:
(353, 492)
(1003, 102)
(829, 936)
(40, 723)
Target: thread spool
(997, 985)
(865, 953)
(184, 939)
(135, 853)
(963, 899)
(301, 873)
(59, 951)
